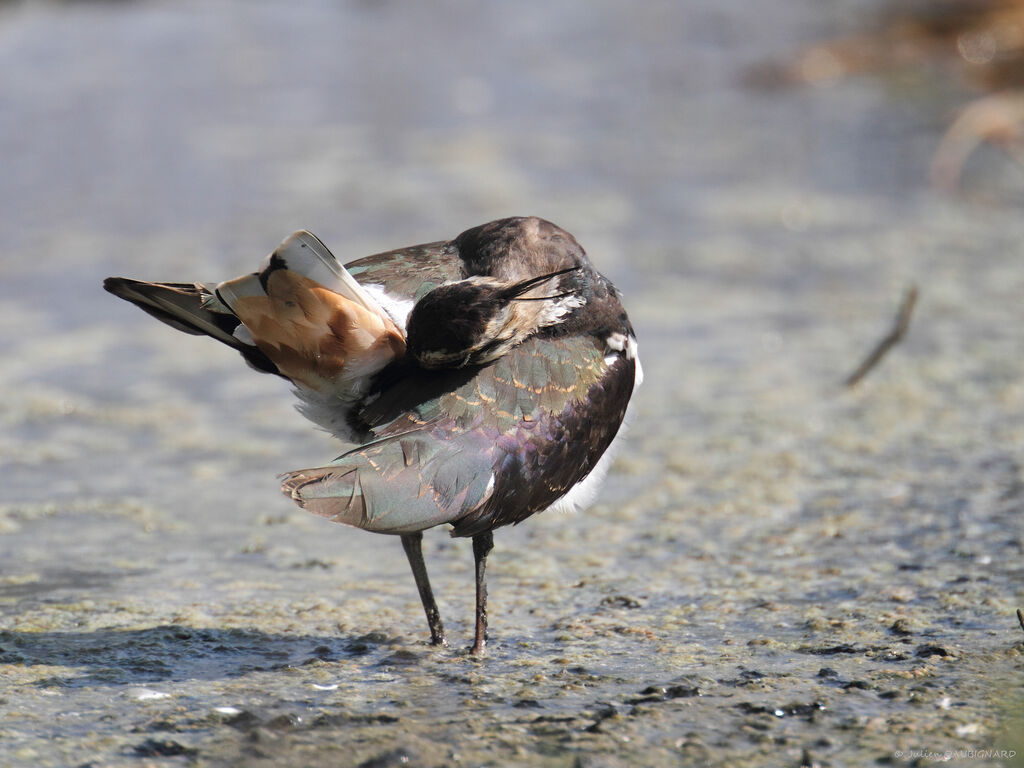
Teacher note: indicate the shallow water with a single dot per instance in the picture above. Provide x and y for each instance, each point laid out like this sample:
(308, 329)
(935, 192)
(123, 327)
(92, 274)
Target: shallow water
(780, 571)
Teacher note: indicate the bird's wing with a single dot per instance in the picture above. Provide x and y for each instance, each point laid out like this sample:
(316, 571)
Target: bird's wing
(544, 375)
(497, 446)
(407, 274)
(561, 403)
(399, 484)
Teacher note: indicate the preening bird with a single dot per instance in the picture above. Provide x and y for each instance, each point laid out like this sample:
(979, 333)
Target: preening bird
(481, 379)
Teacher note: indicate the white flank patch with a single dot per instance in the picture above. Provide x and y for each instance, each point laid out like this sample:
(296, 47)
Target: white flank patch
(583, 494)
(616, 341)
(229, 711)
(398, 308)
(331, 687)
(328, 410)
(619, 342)
(633, 351)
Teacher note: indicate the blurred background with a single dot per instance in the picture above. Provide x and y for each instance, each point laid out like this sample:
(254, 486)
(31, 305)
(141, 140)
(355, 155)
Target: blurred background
(762, 181)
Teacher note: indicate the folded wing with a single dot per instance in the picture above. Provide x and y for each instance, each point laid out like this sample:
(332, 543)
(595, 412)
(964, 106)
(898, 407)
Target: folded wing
(445, 455)
(399, 484)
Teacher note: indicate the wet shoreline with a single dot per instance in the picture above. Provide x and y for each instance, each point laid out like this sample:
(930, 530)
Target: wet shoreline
(781, 570)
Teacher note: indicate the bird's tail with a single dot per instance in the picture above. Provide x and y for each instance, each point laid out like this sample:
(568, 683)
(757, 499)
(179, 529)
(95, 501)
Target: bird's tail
(192, 308)
(302, 316)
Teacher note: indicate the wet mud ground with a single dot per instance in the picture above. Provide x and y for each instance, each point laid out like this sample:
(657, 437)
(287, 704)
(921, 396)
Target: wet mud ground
(782, 571)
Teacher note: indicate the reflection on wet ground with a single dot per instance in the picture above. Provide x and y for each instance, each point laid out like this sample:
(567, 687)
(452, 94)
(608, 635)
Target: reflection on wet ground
(782, 570)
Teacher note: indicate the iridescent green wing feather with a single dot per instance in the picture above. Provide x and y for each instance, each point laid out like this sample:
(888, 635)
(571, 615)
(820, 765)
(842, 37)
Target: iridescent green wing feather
(542, 375)
(410, 272)
(539, 376)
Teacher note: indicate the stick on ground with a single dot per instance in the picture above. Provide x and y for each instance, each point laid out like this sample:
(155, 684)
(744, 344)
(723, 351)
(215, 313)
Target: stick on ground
(894, 336)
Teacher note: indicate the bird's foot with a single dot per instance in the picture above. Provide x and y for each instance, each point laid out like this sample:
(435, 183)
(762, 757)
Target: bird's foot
(479, 647)
(439, 640)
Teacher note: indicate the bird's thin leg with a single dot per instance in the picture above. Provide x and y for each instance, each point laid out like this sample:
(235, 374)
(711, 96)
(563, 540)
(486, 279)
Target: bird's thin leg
(412, 544)
(482, 544)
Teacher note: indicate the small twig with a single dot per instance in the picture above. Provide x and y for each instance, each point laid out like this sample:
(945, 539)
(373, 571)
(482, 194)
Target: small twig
(1020, 618)
(898, 331)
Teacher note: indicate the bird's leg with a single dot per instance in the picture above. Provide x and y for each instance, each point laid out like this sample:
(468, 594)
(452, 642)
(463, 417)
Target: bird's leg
(482, 544)
(412, 544)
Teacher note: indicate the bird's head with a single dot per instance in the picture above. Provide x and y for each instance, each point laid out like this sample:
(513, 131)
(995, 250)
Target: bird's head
(477, 320)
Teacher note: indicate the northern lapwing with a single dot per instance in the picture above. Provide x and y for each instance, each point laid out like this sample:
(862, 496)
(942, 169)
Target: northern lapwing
(482, 379)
